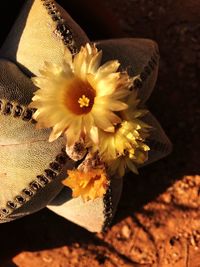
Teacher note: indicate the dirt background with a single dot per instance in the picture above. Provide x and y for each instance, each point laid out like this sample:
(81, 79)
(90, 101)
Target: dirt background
(158, 220)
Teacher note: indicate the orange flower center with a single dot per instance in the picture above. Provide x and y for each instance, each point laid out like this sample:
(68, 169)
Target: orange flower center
(79, 97)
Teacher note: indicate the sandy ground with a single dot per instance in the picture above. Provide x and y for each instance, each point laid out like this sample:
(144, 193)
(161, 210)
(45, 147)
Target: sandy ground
(158, 220)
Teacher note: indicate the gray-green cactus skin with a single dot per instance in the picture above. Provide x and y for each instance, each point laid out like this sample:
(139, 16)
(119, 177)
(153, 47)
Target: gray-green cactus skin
(31, 167)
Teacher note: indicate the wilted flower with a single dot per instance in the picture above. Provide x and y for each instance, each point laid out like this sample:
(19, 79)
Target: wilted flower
(88, 185)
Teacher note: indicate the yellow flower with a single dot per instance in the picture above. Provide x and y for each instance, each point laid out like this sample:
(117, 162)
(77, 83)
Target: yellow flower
(126, 146)
(79, 97)
(89, 185)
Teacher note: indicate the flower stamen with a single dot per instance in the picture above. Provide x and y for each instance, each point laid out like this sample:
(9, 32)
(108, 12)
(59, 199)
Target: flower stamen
(84, 101)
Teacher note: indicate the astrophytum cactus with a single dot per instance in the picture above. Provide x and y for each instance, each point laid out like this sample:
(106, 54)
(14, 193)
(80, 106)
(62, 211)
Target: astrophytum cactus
(32, 168)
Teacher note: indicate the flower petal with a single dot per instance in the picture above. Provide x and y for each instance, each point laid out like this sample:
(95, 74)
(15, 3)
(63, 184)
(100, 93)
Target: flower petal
(93, 65)
(118, 106)
(94, 135)
(103, 123)
(73, 132)
(108, 68)
(131, 166)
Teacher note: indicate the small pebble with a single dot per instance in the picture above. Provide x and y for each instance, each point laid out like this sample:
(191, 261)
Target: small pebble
(192, 241)
(47, 259)
(126, 232)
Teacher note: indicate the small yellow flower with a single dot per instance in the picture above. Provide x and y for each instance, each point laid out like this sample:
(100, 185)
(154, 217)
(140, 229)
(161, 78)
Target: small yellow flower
(79, 97)
(128, 137)
(89, 185)
(126, 146)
